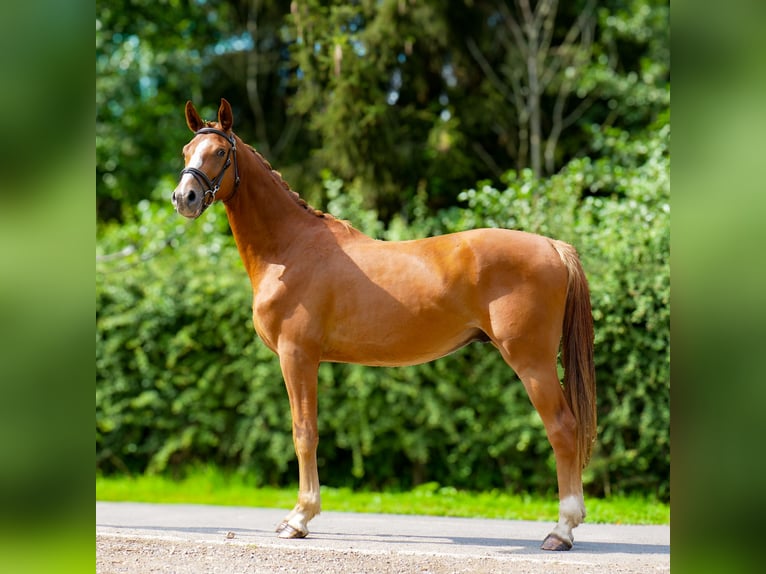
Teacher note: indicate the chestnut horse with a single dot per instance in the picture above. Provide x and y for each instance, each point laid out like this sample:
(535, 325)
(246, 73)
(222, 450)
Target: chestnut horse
(323, 291)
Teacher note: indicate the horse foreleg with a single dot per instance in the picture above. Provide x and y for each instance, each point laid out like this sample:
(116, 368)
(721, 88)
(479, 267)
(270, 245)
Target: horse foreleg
(300, 373)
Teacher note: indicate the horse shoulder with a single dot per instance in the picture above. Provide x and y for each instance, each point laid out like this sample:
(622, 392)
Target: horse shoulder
(269, 298)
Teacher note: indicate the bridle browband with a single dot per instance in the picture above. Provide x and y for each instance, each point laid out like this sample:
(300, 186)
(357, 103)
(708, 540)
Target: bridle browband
(211, 187)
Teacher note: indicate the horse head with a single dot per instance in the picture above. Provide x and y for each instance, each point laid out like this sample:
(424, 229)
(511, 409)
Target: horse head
(207, 158)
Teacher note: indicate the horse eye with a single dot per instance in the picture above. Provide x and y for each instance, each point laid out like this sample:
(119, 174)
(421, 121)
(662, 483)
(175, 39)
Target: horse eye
(221, 152)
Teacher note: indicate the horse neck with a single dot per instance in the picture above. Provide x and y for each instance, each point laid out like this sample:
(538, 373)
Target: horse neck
(264, 217)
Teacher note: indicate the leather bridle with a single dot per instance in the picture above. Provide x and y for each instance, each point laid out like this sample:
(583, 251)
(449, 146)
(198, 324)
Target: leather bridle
(209, 186)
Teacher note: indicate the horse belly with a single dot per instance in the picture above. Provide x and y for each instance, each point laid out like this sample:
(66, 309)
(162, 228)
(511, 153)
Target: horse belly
(403, 304)
(381, 335)
(401, 352)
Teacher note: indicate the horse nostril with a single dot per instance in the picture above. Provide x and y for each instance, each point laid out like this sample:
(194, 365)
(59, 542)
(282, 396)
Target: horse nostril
(192, 196)
(173, 197)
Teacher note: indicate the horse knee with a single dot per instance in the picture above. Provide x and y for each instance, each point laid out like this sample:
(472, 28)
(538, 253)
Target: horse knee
(305, 439)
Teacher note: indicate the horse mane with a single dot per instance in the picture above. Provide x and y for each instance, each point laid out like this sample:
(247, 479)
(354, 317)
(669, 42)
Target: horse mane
(294, 194)
(286, 186)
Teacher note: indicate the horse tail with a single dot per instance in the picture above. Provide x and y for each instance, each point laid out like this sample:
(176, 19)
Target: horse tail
(577, 352)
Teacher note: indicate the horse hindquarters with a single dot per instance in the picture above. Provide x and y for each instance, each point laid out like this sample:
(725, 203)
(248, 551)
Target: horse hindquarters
(527, 329)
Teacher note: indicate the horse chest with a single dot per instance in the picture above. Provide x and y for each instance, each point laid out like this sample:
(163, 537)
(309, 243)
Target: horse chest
(277, 306)
(267, 304)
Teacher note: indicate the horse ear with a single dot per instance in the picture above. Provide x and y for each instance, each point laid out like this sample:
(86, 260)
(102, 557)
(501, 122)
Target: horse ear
(225, 117)
(192, 118)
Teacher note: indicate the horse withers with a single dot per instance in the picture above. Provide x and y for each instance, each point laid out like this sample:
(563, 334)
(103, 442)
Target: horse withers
(323, 291)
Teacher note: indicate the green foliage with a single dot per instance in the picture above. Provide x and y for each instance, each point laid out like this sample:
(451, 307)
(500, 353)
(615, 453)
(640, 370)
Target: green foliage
(181, 377)
(151, 57)
(145, 62)
(398, 99)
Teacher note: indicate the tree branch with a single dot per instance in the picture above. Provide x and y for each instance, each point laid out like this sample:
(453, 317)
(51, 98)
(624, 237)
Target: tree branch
(251, 74)
(485, 66)
(487, 159)
(564, 50)
(287, 136)
(518, 34)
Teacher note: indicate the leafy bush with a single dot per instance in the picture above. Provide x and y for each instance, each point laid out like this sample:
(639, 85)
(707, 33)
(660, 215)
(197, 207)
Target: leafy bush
(179, 373)
(181, 376)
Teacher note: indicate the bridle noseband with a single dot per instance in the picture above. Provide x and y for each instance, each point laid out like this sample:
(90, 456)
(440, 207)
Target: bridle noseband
(211, 187)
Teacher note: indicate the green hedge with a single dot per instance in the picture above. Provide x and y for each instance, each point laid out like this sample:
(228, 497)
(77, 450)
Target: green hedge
(181, 376)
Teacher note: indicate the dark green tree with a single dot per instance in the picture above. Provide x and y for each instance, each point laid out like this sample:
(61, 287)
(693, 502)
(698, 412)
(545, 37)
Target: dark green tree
(397, 98)
(153, 56)
(407, 95)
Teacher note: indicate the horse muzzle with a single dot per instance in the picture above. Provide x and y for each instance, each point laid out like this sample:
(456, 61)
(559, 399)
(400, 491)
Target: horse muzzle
(188, 201)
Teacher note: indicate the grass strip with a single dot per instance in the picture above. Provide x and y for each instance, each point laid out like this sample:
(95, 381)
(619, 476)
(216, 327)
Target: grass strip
(213, 486)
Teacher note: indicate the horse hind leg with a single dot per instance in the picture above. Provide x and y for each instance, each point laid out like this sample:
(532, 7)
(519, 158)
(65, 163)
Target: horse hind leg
(541, 382)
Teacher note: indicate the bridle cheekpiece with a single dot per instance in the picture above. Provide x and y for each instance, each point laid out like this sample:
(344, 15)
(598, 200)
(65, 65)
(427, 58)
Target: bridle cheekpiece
(211, 187)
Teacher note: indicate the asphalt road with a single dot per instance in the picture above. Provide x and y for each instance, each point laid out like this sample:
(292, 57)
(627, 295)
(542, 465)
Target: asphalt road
(134, 537)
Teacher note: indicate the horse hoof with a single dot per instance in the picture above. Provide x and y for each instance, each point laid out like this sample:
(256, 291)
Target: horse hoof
(555, 543)
(287, 531)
